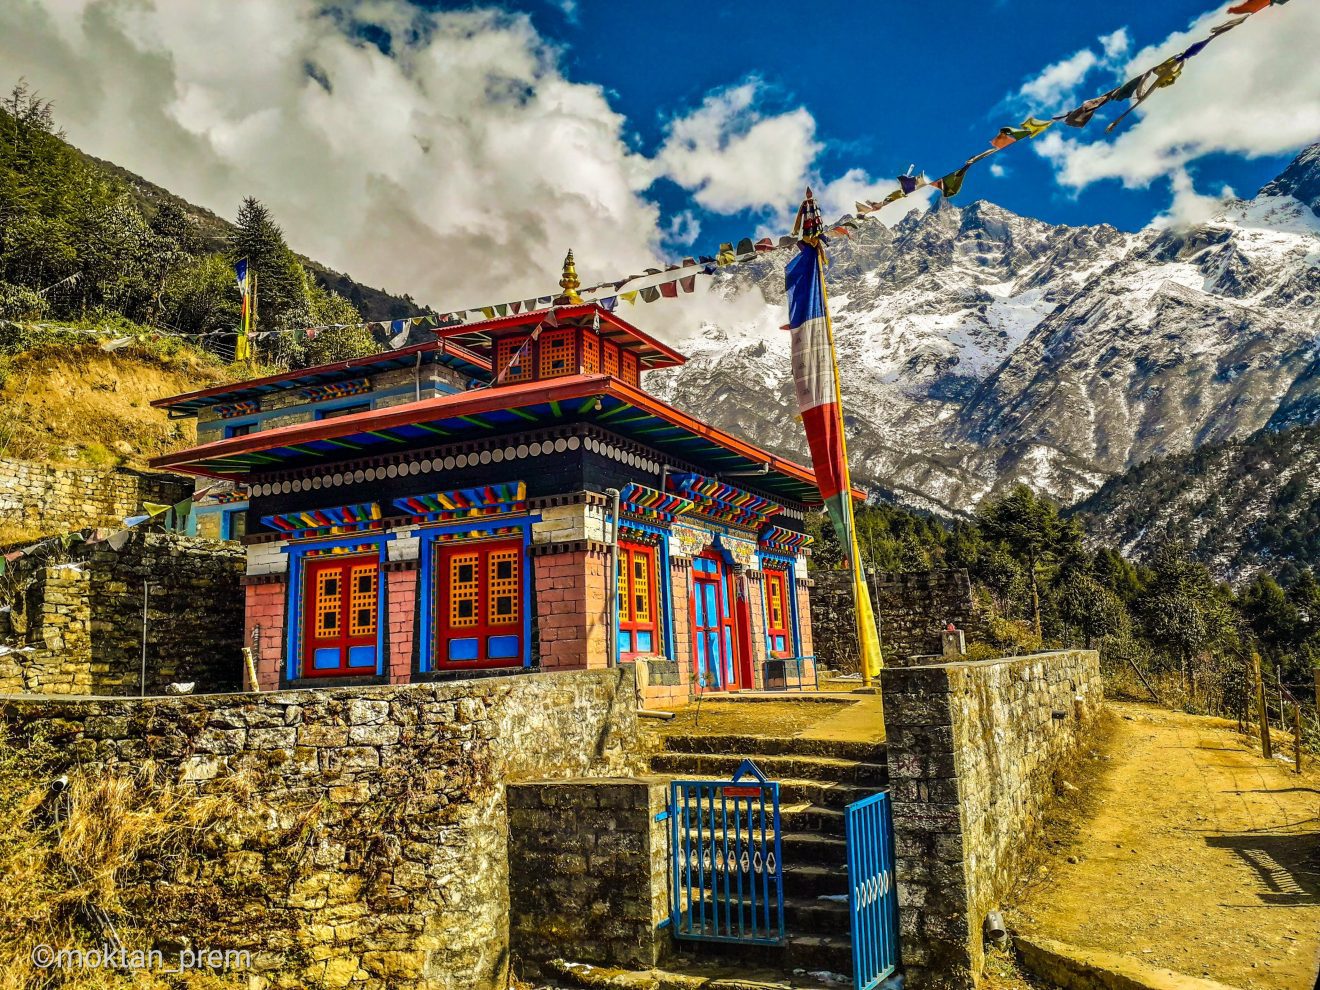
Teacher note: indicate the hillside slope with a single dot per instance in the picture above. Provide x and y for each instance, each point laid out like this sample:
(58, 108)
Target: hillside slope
(979, 348)
(1242, 506)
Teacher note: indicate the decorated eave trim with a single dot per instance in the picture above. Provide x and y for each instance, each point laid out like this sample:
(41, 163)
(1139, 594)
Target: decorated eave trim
(776, 539)
(722, 502)
(336, 390)
(647, 503)
(325, 522)
(466, 503)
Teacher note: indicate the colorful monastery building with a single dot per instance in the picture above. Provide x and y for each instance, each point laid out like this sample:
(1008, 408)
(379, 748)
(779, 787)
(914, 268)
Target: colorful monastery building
(410, 516)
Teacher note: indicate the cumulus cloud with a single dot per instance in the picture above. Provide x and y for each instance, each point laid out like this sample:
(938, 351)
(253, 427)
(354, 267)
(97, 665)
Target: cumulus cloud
(1253, 92)
(733, 155)
(1189, 207)
(457, 167)
(1059, 81)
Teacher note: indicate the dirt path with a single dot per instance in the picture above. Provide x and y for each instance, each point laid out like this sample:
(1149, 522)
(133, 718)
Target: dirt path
(1198, 856)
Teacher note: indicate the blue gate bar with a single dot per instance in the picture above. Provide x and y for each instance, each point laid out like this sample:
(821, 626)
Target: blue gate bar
(727, 864)
(872, 897)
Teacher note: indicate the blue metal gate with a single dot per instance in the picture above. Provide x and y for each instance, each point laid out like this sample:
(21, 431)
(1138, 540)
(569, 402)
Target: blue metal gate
(728, 878)
(872, 899)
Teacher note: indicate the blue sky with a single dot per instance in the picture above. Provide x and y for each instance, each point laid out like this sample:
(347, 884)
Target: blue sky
(454, 152)
(889, 85)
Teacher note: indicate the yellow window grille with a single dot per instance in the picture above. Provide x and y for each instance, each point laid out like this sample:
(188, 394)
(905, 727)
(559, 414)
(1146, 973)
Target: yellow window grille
(362, 600)
(328, 604)
(621, 585)
(464, 590)
(503, 582)
(776, 588)
(641, 587)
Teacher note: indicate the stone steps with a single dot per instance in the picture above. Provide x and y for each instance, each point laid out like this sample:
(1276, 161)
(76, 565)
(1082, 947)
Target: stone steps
(818, 768)
(764, 746)
(817, 779)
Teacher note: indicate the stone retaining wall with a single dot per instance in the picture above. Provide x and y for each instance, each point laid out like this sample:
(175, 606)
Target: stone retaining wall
(588, 872)
(398, 878)
(974, 751)
(82, 620)
(912, 610)
(49, 499)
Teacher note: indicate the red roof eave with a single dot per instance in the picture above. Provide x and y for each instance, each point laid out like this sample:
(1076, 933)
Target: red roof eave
(475, 403)
(358, 362)
(502, 322)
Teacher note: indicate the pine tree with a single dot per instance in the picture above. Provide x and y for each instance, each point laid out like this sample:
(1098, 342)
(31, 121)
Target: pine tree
(281, 293)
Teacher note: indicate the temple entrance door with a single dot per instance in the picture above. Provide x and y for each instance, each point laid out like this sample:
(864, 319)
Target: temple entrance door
(743, 643)
(715, 666)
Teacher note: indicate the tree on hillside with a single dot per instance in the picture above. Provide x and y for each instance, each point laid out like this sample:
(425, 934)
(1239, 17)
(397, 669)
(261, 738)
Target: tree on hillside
(1272, 616)
(281, 282)
(1030, 527)
(1184, 611)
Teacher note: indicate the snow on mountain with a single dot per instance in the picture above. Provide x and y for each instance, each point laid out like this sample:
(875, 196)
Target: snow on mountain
(979, 348)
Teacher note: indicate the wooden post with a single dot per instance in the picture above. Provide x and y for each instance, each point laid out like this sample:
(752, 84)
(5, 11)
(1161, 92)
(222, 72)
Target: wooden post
(1258, 683)
(250, 670)
(1297, 738)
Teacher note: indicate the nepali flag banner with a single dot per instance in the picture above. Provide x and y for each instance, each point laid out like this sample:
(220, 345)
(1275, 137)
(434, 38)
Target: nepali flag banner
(815, 380)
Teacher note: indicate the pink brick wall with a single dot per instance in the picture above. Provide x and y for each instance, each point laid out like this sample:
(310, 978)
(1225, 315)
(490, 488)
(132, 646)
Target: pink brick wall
(570, 609)
(400, 623)
(265, 608)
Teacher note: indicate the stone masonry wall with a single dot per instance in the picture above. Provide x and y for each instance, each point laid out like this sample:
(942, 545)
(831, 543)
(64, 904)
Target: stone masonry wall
(49, 499)
(84, 619)
(912, 609)
(599, 891)
(377, 856)
(974, 749)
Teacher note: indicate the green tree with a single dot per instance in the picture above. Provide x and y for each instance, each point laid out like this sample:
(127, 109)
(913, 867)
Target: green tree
(281, 297)
(1092, 609)
(1033, 532)
(1184, 612)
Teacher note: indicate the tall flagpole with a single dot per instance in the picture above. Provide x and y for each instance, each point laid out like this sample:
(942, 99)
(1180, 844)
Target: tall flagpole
(820, 402)
(868, 641)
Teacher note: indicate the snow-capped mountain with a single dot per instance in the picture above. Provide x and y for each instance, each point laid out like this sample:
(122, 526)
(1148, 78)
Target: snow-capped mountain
(979, 348)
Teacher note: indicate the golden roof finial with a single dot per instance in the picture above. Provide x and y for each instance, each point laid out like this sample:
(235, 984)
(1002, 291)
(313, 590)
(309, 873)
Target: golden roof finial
(569, 283)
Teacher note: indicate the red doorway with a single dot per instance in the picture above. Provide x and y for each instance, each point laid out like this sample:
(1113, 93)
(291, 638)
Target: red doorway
(718, 661)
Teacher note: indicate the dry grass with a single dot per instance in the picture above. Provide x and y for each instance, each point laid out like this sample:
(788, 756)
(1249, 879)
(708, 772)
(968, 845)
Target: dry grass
(112, 856)
(81, 405)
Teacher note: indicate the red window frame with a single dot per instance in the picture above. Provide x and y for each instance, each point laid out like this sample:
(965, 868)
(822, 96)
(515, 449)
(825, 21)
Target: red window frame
(472, 629)
(778, 614)
(635, 623)
(344, 619)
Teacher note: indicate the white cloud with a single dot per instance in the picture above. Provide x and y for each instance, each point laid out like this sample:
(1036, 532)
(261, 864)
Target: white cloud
(1116, 44)
(1058, 82)
(1255, 91)
(998, 170)
(734, 156)
(458, 170)
(1189, 207)
(683, 228)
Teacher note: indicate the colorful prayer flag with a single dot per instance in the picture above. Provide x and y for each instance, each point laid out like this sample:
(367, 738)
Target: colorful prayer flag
(1249, 7)
(816, 382)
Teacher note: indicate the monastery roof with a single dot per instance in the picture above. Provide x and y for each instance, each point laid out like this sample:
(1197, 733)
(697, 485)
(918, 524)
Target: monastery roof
(598, 399)
(651, 353)
(429, 352)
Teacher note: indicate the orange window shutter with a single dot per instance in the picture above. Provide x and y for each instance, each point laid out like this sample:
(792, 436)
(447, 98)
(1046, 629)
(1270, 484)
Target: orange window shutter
(362, 600)
(502, 584)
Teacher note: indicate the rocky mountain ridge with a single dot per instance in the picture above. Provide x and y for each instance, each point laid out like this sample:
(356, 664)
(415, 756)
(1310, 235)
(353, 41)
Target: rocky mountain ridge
(979, 348)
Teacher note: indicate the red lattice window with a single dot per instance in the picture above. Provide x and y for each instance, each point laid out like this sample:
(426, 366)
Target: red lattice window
(778, 617)
(630, 368)
(556, 358)
(610, 357)
(479, 605)
(341, 598)
(505, 351)
(590, 353)
(639, 612)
